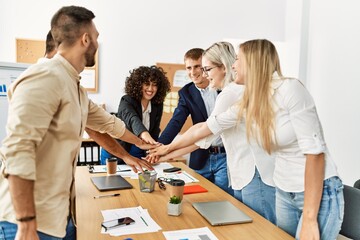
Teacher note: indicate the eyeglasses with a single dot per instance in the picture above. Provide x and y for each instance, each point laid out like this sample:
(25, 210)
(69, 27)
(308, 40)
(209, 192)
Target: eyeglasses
(207, 70)
(161, 181)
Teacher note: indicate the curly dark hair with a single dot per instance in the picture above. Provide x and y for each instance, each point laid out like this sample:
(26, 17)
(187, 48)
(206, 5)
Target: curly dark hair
(144, 74)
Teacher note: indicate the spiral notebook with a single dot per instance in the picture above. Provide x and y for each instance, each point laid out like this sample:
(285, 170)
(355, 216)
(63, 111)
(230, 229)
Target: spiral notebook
(189, 189)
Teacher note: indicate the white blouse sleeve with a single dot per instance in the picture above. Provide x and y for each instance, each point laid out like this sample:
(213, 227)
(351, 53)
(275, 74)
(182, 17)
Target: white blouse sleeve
(206, 142)
(223, 116)
(229, 95)
(217, 124)
(304, 118)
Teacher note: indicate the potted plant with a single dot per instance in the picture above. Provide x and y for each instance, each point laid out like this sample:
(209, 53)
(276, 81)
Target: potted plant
(174, 206)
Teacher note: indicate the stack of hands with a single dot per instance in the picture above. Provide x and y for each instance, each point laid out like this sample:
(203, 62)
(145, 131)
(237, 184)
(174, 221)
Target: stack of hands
(156, 152)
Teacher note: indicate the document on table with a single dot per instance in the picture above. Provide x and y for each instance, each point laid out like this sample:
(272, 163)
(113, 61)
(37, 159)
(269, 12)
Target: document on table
(183, 175)
(143, 221)
(191, 234)
(158, 168)
(102, 168)
(126, 171)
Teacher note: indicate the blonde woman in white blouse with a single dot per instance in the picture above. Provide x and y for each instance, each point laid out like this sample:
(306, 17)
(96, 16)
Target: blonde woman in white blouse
(280, 113)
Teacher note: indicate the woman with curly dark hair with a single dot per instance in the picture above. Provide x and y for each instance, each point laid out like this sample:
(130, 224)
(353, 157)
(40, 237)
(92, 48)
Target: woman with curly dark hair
(142, 106)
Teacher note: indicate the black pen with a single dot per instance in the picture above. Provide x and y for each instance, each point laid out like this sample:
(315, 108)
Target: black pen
(108, 195)
(144, 221)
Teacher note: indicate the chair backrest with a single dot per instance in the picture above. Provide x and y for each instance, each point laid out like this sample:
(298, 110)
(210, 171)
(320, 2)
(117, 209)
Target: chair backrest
(351, 224)
(357, 184)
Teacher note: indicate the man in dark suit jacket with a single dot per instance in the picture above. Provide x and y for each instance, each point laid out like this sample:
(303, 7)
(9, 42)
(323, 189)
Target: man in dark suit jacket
(210, 163)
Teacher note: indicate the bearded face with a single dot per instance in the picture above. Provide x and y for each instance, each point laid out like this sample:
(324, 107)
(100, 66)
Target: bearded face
(90, 54)
(93, 46)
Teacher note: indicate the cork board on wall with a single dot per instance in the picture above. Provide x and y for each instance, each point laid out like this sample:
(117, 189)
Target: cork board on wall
(29, 51)
(177, 76)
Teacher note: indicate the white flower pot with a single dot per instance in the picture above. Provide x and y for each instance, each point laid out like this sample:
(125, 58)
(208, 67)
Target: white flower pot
(174, 209)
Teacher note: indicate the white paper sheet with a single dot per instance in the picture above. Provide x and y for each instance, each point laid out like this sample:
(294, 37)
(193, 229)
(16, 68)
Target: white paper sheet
(191, 234)
(183, 175)
(126, 171)
(143, 221)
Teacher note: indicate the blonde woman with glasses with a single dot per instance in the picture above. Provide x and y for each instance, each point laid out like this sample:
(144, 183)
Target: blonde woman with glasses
(216, 67)
(250, 167)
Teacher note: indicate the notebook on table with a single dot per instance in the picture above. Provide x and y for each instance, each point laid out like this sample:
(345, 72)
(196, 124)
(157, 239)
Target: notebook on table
(189, 189)
(221, 213)
(115, 182)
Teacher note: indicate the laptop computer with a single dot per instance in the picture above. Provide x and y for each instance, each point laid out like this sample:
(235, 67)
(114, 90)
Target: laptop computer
(114, 182)
(221, 213)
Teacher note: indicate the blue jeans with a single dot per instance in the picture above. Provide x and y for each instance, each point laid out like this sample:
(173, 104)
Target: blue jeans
(259, 197)
(8, 232)
(238, 195)
(134, 151)
(215, 170)
(289, 206)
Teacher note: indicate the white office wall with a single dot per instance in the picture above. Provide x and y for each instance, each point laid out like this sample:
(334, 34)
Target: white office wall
(334, 79)
(318, 41)
(143, 32)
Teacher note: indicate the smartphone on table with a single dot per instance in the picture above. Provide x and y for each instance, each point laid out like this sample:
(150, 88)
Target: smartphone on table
(117, 222)
(172, 169)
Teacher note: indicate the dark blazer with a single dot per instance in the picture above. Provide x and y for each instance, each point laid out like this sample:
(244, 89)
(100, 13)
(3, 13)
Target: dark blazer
(130, 111)
(190, 102)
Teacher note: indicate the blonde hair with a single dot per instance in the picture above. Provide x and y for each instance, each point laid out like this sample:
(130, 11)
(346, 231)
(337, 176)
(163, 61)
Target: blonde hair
(222, 54)
(256, 106)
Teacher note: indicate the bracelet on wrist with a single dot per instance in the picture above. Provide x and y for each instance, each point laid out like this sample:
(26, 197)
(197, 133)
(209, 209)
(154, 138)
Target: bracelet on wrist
(26, 219)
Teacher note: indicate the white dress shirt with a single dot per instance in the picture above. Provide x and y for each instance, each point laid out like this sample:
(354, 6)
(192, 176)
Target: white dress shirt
(146, 115)
(298, 132)
(209, 97)
(242, 157)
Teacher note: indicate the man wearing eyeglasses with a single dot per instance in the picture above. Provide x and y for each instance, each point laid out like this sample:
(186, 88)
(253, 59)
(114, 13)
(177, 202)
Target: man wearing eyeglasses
(198, 101)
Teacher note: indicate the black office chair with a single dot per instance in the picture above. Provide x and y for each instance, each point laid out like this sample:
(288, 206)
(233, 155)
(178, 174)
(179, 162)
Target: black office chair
(351, 225)
(357, 184)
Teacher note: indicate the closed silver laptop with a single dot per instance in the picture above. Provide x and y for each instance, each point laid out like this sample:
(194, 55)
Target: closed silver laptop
(115, 182)
(221, 213)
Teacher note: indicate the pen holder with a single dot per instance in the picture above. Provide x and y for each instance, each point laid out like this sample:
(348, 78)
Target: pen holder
(147, 181)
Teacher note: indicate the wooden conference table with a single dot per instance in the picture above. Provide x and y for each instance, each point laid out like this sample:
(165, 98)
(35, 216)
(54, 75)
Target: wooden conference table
(89, 217)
